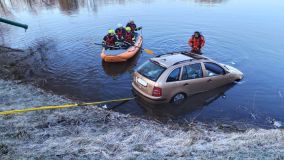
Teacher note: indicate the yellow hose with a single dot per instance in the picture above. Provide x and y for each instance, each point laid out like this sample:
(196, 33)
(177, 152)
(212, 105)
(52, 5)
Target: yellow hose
(9, 112)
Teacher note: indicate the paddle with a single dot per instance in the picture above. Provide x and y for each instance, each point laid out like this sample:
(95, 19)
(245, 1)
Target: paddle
(139, 28)
(145, 49)
(100, 44)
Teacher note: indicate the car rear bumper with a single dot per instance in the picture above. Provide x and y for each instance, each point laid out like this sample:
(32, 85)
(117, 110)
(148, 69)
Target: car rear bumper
(150, 99)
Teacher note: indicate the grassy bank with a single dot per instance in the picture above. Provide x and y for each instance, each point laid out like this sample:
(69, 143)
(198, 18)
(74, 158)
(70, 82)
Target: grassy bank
(94, 133)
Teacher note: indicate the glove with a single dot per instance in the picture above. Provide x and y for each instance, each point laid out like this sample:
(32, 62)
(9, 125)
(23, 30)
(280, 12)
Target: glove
(137, 29)
(117, 44)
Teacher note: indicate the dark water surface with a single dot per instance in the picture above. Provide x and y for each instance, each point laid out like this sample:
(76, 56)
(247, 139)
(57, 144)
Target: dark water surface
(245, 34)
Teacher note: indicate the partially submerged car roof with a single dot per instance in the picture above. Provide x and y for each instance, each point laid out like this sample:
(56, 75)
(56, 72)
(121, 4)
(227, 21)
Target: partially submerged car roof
(170, 59)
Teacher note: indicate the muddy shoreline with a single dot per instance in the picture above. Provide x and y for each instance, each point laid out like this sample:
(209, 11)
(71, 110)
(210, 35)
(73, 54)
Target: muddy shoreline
(20, 64)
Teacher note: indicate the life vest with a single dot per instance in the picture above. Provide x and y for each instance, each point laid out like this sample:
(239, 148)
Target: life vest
(196, 43)
(120, 32)
(110, 40)
(128, 37)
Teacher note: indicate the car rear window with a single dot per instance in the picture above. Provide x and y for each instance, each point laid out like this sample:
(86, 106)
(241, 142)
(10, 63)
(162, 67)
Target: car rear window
(151, 70)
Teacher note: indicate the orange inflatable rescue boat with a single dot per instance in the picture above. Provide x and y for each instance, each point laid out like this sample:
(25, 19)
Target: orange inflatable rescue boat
(122, 55)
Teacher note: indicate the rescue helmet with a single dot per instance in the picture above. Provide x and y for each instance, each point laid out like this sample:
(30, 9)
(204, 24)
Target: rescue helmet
(196, 34)
(119, 25)
(128, 29)
(111, 31)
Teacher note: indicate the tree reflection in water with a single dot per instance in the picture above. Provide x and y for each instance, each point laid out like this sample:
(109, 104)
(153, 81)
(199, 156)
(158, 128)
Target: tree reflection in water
(66, 6)
(210, 1)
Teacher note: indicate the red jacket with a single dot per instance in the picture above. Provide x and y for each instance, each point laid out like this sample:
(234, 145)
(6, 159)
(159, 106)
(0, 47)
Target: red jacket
(196, 43)
(129, 37)
(120, 32)
(110, 40)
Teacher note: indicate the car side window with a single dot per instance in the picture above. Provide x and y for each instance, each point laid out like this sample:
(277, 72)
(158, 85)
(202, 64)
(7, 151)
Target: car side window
(213, 69)
(192, 71)
(174, 76)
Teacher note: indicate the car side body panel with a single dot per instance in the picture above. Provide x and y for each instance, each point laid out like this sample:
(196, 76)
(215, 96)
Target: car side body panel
(207, 82)
(169, 89)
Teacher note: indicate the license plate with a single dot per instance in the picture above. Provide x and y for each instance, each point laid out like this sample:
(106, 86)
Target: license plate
(142, 82)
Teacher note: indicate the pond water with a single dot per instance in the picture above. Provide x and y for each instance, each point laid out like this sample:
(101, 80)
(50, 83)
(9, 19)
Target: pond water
(245, 34)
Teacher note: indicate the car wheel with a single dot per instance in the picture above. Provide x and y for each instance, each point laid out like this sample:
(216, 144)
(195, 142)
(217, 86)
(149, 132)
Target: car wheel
(178, 98)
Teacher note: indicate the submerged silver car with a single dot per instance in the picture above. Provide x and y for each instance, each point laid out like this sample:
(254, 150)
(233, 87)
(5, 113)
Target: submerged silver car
(174, 76)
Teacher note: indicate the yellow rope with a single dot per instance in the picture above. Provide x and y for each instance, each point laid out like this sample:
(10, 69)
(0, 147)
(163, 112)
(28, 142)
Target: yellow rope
(60, 106)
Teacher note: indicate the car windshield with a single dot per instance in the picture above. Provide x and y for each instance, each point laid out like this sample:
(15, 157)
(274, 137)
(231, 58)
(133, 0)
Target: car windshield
(151, 70)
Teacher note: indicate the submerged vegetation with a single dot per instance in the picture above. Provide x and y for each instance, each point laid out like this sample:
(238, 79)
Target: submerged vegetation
(24, 65)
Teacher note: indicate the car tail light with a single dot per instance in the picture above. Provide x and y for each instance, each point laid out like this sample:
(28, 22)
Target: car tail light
(157, 92)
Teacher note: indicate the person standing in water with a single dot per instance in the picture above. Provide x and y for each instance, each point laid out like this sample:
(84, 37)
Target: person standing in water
(196, 42)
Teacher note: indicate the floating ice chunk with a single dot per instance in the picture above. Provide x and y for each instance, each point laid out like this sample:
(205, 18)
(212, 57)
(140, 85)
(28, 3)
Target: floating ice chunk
(240, 82)
(233, 63)
(280, 94)
(105, 106)
(277, 124)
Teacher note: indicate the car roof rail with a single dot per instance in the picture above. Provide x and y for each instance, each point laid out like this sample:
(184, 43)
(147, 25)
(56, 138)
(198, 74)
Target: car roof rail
(193, 55)
(171, 53)
(188, 60)
(186, 53)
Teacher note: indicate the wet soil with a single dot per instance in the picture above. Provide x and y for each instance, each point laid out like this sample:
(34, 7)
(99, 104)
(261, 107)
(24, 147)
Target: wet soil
(22, 65)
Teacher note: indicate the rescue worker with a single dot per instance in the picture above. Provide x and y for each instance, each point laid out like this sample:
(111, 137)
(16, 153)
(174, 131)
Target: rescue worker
(129, 37)
(120, 32)
(196, 42)
(110, 40)
(133, 26)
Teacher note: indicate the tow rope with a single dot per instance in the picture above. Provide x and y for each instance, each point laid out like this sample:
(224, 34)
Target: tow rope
(9, 112)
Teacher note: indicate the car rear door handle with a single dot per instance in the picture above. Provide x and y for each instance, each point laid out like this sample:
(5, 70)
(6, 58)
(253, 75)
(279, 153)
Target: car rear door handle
(186, 84)
(209, 80)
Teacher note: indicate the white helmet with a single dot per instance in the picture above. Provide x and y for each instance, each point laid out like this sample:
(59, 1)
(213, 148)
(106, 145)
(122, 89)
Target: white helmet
(119, 25)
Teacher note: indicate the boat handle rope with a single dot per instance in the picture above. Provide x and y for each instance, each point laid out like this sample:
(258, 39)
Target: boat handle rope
(16, 111)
